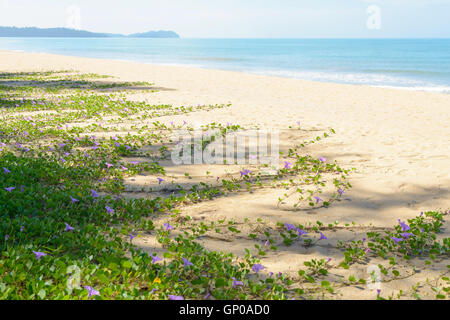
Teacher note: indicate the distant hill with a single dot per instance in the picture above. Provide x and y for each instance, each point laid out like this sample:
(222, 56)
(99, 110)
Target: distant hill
(72, 33)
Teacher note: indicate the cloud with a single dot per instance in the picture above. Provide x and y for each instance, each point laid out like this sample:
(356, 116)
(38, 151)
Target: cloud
(407, 2)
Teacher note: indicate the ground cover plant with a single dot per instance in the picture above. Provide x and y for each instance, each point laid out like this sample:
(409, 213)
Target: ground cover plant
(70, 141)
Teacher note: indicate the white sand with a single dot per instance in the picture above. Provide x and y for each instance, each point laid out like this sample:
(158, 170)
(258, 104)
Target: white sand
(399, 142)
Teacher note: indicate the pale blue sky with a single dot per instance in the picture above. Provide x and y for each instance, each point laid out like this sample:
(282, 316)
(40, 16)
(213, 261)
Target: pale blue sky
(239, 18)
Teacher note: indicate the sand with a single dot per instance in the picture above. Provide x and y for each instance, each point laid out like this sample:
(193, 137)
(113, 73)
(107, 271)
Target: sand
(397, 140)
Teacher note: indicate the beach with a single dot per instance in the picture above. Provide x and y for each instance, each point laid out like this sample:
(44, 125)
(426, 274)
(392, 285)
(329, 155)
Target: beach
(397, 141)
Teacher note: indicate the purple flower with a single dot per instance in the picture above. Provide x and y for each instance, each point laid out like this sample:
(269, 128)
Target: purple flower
(367, 250)
(39, 254)
(257, 267)
(406, 235)
(404, 226)
(322, 236)
(68, 227)
(287, 165)
(397, 240)
(301, 232)
(109, 210)
(168, 227)
(341, 192)
(237, 283)
(94, 194)
(6, 170)
(155, 259)
(289, 226)
(6, 237)
(378, 291)
(322, 159)
(246, 172)
(91, 291)
(73, 200)
(124, 168)
(10, 189)
(131, 237)
(160, 180)
(171, 297)
(318, 200)
(187, 263)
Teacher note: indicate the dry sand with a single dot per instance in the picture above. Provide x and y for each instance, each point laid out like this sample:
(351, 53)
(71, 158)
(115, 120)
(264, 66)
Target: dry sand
(398, 141)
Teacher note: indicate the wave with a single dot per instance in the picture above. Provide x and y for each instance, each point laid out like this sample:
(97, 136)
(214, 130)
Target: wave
(219, 59)
(441, 89)
(409, 72)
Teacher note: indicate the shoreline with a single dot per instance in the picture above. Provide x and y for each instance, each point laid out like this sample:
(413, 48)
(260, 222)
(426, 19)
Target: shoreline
(437, 89)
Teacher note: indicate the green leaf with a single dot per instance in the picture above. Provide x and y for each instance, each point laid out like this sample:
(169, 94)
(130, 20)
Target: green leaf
(220, 282)
(323, 271)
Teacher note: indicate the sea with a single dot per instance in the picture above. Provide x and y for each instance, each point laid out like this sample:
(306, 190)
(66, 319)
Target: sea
(408, 64)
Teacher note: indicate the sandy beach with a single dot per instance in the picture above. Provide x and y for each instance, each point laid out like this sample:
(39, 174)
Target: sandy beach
(398, 142)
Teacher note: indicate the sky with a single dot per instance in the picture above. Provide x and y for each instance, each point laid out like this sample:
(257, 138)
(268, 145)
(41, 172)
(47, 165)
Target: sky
(239, 18)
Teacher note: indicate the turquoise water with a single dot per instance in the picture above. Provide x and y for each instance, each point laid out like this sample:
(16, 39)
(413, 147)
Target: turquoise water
(418, 64)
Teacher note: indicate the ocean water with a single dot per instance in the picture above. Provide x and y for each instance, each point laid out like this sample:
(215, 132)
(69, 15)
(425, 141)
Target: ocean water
(413, 64)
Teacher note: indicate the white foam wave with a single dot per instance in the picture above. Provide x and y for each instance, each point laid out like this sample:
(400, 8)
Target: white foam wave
(375, 80)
